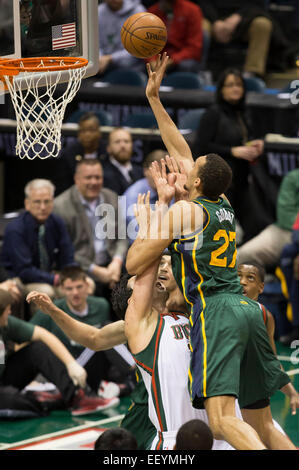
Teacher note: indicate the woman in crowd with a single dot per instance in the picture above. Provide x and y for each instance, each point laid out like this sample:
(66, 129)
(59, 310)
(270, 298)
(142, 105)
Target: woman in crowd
(225, 129)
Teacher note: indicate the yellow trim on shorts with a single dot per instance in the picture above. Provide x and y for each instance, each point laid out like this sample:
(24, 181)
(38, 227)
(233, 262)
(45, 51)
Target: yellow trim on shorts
(191, 315)
(190, 303)
(202, 319)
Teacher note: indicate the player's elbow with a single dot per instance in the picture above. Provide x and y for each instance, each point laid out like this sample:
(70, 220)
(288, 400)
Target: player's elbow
(131, 267)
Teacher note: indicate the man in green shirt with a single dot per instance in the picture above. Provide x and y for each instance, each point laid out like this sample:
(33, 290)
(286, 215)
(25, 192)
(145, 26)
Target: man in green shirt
(42, 353)
(93, 311)
(266, 247)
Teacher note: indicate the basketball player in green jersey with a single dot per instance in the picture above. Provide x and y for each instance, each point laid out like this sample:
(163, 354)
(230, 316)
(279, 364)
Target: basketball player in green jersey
(231, 354)
(252, 277)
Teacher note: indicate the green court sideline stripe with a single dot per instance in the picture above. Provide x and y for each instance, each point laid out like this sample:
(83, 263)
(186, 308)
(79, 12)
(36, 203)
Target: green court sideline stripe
(293, 372)
(42, 437)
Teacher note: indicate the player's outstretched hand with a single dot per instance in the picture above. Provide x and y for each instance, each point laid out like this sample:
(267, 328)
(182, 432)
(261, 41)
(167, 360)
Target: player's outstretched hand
(156, 71)
(177, 178)
(165, 188)
(42, 301)
(142, 212)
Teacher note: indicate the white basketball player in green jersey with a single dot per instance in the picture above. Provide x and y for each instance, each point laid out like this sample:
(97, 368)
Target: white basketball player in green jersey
(231, 354)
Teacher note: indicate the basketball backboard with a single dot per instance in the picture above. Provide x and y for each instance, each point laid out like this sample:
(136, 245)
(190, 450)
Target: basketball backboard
(47, 28)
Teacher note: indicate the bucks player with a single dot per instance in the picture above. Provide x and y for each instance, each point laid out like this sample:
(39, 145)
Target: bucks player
(160, 344)
(231, 354)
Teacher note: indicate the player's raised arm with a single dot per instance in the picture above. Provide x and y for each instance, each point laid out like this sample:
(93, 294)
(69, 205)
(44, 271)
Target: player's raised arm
(89, 336)
(175, 143)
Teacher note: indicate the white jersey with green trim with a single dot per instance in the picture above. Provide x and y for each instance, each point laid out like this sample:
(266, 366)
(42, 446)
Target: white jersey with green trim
(164, 365)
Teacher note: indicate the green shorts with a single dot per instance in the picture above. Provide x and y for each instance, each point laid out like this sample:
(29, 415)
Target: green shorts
(138, 423)
(231, 353)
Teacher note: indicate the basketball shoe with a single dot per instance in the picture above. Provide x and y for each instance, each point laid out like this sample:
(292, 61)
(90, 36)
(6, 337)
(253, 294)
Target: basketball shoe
(86, 404)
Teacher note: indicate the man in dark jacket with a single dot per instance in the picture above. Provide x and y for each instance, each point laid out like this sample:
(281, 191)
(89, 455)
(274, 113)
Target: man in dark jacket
(119, 171)
(89, 144)
(36, 244)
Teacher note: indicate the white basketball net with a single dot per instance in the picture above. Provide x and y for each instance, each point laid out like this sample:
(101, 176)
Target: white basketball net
(39, 113)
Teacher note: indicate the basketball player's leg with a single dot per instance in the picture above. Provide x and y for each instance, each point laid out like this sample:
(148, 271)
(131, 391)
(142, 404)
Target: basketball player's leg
(225, 425)
(261, 420)
(261, 376)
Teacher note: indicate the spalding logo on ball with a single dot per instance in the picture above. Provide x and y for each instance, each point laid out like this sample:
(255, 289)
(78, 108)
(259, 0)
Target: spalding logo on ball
(143, 35)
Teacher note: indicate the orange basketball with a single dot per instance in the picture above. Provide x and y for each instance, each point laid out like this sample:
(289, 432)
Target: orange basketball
(143, 35)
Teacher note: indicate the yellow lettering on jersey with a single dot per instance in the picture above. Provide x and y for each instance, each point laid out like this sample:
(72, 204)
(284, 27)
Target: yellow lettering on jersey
(215, 255)
(215, 260)
(232, 238)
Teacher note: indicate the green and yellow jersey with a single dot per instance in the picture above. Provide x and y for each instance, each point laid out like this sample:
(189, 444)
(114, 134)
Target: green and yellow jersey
(204, 262)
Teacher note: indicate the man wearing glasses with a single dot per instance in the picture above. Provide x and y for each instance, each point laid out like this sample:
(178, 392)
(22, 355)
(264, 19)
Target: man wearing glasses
(36, 245)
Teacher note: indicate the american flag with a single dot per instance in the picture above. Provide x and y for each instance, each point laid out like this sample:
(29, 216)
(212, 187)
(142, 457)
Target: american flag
(63, 35)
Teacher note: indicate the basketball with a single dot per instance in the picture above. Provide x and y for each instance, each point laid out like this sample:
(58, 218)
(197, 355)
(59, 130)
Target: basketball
(143, 35)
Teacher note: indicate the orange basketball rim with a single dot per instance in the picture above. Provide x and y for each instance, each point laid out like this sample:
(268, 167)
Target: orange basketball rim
(38, 104)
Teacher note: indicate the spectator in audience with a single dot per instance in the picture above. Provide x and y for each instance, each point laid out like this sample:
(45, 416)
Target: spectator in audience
(194, 435)
(44, 354)
(116, 439)
(13, 286)
(141, 186)
(289, 264)
(183, 20)
(98, 249)
(89, 144)
(119, 171)
(248, 22)
(267, 246)
(225, 129)
(112, 15)
(36, 245)
(89, 310)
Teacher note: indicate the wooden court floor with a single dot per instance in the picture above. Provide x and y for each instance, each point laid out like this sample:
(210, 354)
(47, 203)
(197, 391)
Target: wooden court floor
(61, 431)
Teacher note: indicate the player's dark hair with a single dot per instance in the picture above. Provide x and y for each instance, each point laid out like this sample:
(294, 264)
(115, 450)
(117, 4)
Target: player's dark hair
(75, 273)
(215, 175)
(194, 435)
(260, 269)
(87, 116)
(120, 296)
(116, 439)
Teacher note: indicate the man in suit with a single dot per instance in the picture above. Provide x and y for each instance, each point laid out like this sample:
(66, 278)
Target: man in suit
(89, 144)
(99, 253)
(36, 245)
(119, 171)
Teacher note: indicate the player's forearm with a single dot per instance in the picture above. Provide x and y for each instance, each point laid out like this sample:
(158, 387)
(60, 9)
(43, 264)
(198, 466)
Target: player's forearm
(74, 329)
(175, 143)
(89, 336)
(289, 390)
(142, 254)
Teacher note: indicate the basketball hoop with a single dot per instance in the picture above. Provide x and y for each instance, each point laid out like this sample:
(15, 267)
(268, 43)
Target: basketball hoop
(39, 106)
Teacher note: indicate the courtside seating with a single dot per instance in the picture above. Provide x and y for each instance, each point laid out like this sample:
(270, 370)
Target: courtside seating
(125, 77)
(141, 120)
(105, 117)
(183, 80)
(255, 84)
(191, 119)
